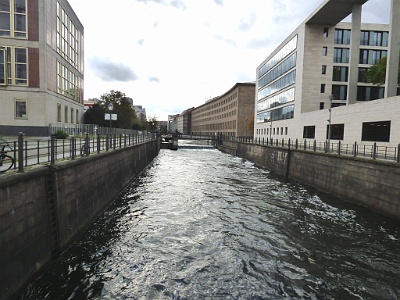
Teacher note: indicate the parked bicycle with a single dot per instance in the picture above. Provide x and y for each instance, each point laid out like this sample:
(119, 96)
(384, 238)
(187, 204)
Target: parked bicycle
(6, 161)
(85, 149)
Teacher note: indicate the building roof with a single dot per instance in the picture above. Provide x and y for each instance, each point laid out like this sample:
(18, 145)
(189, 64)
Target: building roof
(332, 12)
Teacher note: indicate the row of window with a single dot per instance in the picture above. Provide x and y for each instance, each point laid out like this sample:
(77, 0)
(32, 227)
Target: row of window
(70, 116)
(215, 127)
(285, 51)
(367, 38)
(278, 85)
(286, 65)
(13, 66)
(67, 82)
(282, 113)
(364, 93)
(273, 131)
(13, 16)
(371, 131)
(67, 37)
(215, 108)
(276, 100)
(368, 57)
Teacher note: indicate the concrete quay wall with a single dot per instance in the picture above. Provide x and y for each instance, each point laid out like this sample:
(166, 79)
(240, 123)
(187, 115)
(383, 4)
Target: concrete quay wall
(44, 209)
(370, 183)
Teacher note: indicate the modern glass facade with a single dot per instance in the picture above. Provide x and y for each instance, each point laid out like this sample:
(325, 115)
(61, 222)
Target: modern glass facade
(275, 84)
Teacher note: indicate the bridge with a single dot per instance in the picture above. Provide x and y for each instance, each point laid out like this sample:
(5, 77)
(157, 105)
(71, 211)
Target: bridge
(197, 137)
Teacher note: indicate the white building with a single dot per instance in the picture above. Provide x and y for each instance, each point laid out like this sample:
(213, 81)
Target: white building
(41, 66)
(322, 63)
(140, 112)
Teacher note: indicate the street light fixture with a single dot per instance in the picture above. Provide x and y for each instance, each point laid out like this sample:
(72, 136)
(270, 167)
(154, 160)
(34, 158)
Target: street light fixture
(110, 108)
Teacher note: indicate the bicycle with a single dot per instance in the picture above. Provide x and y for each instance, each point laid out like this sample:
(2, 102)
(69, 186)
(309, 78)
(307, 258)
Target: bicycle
(85, 149)
(6, 161)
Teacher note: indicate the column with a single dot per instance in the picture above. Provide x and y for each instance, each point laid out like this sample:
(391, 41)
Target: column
(394, 51)
(354, 54)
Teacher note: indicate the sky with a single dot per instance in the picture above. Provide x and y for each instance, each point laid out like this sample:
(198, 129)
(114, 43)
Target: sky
(171, 55)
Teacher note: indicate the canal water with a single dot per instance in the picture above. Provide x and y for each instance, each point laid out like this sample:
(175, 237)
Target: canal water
(200, 224)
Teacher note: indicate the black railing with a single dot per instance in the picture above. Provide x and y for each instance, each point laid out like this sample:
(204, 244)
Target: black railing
(29, 152)
(373, 151)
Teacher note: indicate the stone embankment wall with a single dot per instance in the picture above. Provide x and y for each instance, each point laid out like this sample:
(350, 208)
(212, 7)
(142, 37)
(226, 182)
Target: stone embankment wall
(43, 210)
(371, 183)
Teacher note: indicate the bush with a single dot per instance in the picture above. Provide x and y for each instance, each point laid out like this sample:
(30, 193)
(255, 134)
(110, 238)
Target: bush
(60, 134)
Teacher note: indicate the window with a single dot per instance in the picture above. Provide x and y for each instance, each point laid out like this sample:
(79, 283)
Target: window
(76, 117)
(323, 69)
(326, 31)
(13, 18)
(322, 88)
(371, 57)
(368, 93)
(374, 38)
(66, 114)
(58, 112)
(321, 105)
(72, 115)
(341, 55)
(13, 66)
(67, 82)
(339, 92)
(362, 74)
(337, 131)
(376, 131)
(324, 51)
(342, 36)
(309, 132)
(340, 74)
(2, 66)
(20, 109)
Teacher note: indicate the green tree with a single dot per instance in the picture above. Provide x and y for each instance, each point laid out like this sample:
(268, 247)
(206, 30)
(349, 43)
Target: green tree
(95, 115)
(376, 74)
(126, 115)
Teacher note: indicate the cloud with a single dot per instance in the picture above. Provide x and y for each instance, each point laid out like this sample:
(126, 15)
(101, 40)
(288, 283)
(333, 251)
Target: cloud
(246, 25)
(110, 71)
(219, 2)
(225, 40)
(261, 42)
(140, 42)
(154, 79)
(179, 4)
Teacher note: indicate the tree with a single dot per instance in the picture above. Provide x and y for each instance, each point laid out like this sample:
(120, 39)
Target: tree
(95, 115)
(376, 74)
(126, 115)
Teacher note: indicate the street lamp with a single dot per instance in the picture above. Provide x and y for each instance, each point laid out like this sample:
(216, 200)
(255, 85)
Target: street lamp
(110, 108)
(329, 122)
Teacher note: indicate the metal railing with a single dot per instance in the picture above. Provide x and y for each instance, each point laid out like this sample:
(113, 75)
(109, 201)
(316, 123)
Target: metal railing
(30, 152)
(373, 151)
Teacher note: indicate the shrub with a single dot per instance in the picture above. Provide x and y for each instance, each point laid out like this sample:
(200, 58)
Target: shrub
(60, 134)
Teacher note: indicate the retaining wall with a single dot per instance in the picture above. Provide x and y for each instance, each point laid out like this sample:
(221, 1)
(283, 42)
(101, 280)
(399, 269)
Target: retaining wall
(43, 210)
(371, 183)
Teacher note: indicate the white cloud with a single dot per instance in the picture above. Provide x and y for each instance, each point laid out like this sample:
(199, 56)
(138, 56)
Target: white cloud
(169, 55)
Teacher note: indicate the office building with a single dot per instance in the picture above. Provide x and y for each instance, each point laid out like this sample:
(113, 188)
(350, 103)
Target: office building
(323, 64)
(229, 114)
(41, 66)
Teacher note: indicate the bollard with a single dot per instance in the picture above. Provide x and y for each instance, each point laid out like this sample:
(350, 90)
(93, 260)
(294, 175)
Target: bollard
(98, 143)
(374, 151)
(52, 150)
(20, 152)
(339, 146)
(398, 153)
(107, 142)
(355, 149)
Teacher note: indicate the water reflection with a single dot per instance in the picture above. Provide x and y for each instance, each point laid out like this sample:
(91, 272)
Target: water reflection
(199, 224)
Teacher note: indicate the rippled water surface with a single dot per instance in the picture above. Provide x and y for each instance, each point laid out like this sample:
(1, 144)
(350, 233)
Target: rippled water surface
(200, 224)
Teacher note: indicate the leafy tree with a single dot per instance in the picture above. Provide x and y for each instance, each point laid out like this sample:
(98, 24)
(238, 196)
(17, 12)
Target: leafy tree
(376, 74)
(95, 115)
(121, 106)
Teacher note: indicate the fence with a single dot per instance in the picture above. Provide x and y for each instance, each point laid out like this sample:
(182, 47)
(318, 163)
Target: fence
(82, 129)
(43, 151)
(373, 151)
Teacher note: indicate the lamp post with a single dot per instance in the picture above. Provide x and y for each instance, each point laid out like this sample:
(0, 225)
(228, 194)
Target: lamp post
(329, 123)
(110, 108)
(270, 129)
